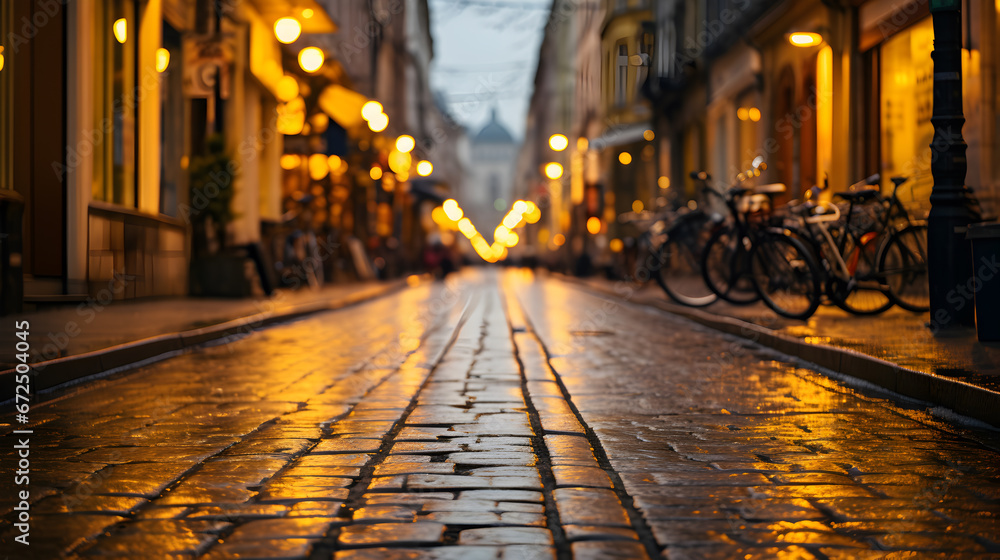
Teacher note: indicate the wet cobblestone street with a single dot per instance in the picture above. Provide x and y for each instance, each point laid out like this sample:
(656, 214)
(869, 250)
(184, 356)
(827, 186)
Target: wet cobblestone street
(498, 415)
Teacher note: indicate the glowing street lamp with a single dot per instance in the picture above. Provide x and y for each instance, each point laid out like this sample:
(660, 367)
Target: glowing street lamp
(805, 39)
(405, 143)
(371, 110)
(375, 173)
(121, 30)
(452, 210)
(162, 59)
(553, 170)
(378, 122)
(311, 59)
(558, 142)
(288, 88)
(287, 30)
(424, 168)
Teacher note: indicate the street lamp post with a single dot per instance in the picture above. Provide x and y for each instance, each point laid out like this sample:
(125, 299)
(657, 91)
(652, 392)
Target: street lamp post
(949, 258)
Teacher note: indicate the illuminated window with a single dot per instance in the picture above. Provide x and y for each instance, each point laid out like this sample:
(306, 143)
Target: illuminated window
(906, 105)
(115, 104)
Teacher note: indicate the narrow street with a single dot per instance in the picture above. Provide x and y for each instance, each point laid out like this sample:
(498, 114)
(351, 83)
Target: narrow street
(506, 415)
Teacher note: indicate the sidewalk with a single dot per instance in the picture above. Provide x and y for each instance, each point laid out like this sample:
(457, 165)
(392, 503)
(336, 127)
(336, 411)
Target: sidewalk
(895, 350)
(72, 342)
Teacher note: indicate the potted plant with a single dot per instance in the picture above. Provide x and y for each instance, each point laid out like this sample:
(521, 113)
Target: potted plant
(216, 269)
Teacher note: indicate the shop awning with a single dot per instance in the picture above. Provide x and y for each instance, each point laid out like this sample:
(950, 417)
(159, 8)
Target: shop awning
(619, 135)
(342, 105)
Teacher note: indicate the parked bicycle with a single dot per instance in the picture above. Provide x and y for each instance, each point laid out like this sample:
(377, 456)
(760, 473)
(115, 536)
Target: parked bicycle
(669, 251)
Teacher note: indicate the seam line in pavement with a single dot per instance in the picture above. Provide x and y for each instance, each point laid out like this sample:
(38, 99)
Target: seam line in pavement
(637, 520)
(326, 547)
(194, 469)
(544, 463)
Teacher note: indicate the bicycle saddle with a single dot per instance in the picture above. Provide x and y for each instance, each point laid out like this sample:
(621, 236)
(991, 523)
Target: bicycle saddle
(899, 180)
(861, 195)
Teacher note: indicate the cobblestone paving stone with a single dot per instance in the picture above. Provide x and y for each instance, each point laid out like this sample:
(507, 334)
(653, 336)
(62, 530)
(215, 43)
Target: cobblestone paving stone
(728, 452)
(499, 416)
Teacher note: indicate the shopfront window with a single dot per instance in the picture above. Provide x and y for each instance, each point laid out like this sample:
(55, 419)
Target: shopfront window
(115, 100)
(907, 91)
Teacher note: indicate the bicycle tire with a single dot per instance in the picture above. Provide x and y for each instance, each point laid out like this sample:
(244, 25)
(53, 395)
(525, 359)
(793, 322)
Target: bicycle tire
(902, 265)
(681, 276)
(863, 300)
(718, 261)
(785, 274)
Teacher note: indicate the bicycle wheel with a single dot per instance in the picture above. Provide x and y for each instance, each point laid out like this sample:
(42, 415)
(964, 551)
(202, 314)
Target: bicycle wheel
(787, 277)
(680, 276)
(725, 266)
(903, 267)
(645, 263)
(864, 293)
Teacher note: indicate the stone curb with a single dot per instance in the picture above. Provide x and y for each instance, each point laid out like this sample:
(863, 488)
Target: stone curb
(70, 370)
(963, 398)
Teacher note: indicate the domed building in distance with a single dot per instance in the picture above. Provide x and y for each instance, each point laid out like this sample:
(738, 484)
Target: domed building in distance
(489, 192)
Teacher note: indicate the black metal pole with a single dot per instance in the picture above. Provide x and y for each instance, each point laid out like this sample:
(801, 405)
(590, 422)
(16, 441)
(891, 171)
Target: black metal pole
(949, 258)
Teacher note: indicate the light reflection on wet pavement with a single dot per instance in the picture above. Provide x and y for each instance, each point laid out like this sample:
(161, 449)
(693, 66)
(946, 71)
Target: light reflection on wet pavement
(420, 425)
(897, 336)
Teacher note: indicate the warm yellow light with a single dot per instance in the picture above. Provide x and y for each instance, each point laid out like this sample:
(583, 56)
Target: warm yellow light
(318, 167)
(333, 162)
(754, 114)
(375, 173)
(558, 142)
(402, 177)
(400, 162)
(162, 59)
(287, 30)
(121, 30)
(553, 170)
(616, 245)
(803, 39)
(307, 13)
(500, 234)
(648, 135)
(663, 182)
(405, 143)
(637, 206)
(465, 226)
(440, 217)
(582, 143)
(311, 59)
(1, 54)
(558, 240)
(287, 89)
(452, 210)
(290, 161)
(378, 122)
(319, 122)
(424, 168)
(625, 158)
(743, 113)
(371, 109)
(512, 239)
(533, 213)
(511, 220)
(594, 225)
(519, 207)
